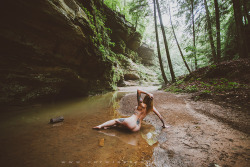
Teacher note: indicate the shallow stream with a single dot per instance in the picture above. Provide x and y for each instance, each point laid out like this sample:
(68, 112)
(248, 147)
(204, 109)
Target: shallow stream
(27, 138)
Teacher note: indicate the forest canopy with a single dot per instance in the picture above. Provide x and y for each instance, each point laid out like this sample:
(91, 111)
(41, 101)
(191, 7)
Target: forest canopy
(198, 33)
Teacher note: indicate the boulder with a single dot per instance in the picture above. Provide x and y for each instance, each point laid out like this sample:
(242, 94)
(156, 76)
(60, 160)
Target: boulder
(134, 41)
(121, 83)
(146, 54)
(131, 76)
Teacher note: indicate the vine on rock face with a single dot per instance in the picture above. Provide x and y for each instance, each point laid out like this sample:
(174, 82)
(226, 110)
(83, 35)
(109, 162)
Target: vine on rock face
(116, 57)
(101, 40)
(101, 37)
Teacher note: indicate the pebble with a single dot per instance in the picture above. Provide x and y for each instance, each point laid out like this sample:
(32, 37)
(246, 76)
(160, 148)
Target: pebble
(101, 142)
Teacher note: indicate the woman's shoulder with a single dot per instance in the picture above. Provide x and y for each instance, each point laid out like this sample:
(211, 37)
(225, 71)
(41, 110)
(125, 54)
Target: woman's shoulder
(144, 105)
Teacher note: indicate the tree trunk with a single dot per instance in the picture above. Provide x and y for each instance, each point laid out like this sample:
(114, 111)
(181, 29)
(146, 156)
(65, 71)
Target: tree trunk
(192, 10)
(246, 11)
(240, 30)
(166, 44)
(210, 32)
(136, 21)
(178, 43)
(158, 47)
(217, 16)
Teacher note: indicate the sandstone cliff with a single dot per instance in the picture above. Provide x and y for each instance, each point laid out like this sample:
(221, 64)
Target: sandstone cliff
(53, 49)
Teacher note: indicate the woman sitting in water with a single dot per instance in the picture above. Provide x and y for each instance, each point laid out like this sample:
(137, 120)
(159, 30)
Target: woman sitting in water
(134, 122)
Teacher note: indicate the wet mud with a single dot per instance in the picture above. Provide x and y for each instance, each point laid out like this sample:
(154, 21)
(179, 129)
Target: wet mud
(192, 137)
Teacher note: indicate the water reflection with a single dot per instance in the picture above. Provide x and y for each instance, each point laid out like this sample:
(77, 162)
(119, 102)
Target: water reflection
(146, 133)
(28, 140)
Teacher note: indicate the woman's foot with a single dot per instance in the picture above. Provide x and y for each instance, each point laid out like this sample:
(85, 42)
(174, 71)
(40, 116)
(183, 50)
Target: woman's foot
(106, 127)
(97, 127)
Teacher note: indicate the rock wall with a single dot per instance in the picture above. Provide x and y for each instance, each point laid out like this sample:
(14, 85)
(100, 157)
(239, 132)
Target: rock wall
(127, 40)
(47, 51)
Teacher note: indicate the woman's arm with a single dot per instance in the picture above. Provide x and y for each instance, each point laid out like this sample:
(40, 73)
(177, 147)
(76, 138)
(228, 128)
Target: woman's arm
(159, 115)
(139, 92)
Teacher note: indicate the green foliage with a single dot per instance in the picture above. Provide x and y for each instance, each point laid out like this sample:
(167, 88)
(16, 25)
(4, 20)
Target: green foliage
(123, 60)
(178, 82)
(117, 74)
(101, 34)
(191, 88)
(223, 80)
(225, 85)
(112, 44)
(198, 79)
(213, 66)
(138, 10)
(212, 86)
(204, 84)
(190, 51)
(173, 89)
(207, 91)
(134, 11)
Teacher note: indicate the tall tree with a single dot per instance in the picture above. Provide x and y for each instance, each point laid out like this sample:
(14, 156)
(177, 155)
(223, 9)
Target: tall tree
(138, 9)
(246, 13)
(193, 26)
(190, 9)
(240, 30)
(165, 43)
(158, 47)
(217, 17)
(182, 56)
(210, 32)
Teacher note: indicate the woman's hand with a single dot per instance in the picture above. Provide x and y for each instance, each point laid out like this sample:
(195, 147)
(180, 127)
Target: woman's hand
(163, 123)
(151, 96)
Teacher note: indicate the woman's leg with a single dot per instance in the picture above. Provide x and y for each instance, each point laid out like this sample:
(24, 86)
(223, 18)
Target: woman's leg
(130, 123)
(107, 124)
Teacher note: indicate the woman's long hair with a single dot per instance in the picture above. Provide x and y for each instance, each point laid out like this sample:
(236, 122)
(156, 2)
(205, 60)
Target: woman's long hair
(149, 102)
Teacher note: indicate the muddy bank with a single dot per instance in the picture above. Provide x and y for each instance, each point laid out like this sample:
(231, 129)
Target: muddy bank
(195, 138)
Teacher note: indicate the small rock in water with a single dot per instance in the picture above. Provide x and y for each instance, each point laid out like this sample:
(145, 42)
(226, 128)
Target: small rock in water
(101, 142)
(55, 120)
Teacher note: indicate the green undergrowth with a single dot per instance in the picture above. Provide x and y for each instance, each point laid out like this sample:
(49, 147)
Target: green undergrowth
(226, 84)
(101, 40)
(205, 86)
(101, 34)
